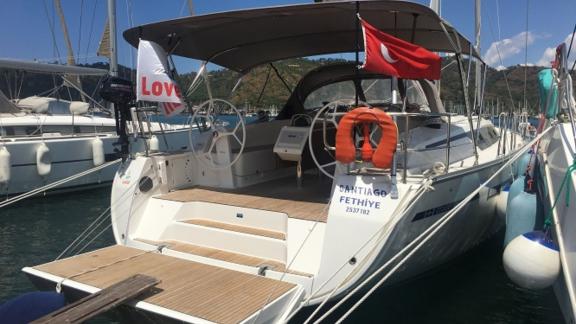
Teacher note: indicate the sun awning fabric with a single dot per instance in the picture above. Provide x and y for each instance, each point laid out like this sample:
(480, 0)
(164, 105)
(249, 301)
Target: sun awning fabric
(49, 68)
(241, 40)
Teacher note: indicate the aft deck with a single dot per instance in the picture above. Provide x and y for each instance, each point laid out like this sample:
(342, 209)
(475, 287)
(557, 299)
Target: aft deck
(208, 292)
(308, 202)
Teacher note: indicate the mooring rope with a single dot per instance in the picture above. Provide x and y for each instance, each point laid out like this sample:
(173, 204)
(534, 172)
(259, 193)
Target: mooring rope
(422, 238)
(424, 187)
(71, 249)
(49, 186)
(565, 183)
(88, 231)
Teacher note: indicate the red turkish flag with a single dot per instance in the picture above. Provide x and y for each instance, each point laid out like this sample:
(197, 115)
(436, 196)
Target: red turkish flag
(392, 56)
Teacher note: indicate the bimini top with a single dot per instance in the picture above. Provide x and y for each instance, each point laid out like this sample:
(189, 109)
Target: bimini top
(241, 40)
(45, 68)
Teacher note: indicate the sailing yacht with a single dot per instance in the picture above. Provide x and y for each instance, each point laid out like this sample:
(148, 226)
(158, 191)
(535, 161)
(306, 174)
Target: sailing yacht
(45, 139)
(258, 221)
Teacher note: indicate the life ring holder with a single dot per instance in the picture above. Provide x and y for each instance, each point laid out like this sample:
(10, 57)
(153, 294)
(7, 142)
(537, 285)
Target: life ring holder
(321, 117)
(383, 155)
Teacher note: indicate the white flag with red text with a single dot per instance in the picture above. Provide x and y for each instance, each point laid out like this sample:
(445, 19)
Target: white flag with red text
(153, 81)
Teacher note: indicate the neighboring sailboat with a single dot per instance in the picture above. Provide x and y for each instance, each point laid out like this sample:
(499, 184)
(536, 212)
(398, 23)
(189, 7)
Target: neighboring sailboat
(46, 139)
(360, 172)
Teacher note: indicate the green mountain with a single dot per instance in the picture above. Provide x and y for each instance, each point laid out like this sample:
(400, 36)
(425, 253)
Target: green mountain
(250, 93)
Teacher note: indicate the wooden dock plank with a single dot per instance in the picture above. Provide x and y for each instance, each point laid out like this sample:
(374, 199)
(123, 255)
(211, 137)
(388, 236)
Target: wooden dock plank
(101, 301)
(188, 287)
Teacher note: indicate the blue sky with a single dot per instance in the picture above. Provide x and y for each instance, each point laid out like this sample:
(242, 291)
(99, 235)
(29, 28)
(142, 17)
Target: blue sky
(26, 32)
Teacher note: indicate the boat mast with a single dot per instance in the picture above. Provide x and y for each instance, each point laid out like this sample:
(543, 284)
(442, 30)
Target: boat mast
(190, 8)
(70, 56)
(478, 81)
(69, 81)
(112, 26)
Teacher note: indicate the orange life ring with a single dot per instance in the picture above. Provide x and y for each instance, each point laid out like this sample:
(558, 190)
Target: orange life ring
(384, 153)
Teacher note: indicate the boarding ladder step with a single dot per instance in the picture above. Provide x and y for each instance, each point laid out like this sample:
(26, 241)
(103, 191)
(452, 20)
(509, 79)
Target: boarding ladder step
(236, 228)
(188, 291)
(100, 301)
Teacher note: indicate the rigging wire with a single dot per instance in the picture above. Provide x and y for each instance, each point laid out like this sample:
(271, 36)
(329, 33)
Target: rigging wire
(80, 29)
(419, 241)
(9, 86)
(571, 41)
(526, 55)
(19, 90)
(51, 25)
(129, 13)
(500, 58)
(569, 48)
(264, 86)
(181, 12)
(90, 32)
(54, 184)
(498, 19)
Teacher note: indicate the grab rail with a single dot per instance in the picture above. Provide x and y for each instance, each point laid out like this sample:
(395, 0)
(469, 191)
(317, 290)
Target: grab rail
(332, 116)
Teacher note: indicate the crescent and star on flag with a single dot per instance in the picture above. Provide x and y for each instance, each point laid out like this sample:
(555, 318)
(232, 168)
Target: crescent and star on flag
(392, 56)
(386, 54)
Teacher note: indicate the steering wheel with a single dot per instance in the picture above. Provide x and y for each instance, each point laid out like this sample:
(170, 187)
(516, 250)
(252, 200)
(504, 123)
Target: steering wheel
(298, 117)
(328, 114)
(212, 110)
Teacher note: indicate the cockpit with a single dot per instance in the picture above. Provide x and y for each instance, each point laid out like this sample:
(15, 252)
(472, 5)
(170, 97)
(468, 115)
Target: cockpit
(301, 139)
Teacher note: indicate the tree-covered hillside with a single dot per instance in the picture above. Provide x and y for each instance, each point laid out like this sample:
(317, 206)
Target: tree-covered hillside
(250, 93)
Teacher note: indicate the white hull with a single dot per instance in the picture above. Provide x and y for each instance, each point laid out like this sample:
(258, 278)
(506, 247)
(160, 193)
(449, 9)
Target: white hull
(476, 222)
(329, 256)
(557, 152)
(70, 154)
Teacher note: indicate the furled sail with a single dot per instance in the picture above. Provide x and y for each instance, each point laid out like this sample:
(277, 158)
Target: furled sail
(104, 46)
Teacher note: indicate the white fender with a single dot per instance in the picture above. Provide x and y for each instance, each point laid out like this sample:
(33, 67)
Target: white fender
(4, 165)
(154, 143)
(532, 261)
(98, 156)
(79, 107)
(520, 215)
(43, 160)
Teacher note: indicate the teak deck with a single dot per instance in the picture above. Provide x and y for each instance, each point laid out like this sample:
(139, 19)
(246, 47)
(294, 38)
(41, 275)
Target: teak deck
(236, 228)
(224, 255)
(212, 293)
(277, 202)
